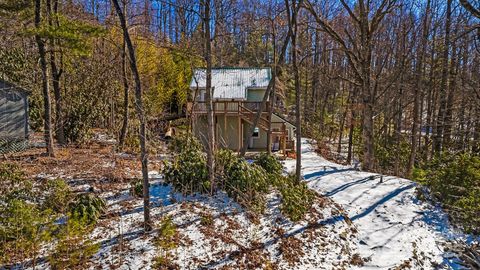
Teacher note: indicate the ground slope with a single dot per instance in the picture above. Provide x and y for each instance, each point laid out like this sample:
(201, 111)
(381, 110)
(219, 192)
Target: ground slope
(395, 229)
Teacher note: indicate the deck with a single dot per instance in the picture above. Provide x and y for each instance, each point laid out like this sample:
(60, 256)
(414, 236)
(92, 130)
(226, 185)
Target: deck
(247, 111)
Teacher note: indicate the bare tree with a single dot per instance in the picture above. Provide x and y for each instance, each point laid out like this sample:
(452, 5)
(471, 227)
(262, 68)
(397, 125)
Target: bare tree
(417, 89)
(123, 131)
(469, 6)
(208, 96)
(438, 136)
(270, 86)
(358, 46)
(141, 115)
(46, 93)
(56, 73)
(292, 18)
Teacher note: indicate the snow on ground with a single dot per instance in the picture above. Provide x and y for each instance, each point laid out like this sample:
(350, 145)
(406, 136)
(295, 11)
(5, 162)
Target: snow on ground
(360, 222)
(234, 240)
(395, 229)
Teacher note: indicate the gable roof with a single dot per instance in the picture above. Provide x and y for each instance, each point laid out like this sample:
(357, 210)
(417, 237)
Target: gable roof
(4, 85)
(283, 119)
(231, 83)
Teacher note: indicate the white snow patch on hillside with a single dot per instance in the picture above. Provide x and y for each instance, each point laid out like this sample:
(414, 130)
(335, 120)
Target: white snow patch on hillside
(394, 227)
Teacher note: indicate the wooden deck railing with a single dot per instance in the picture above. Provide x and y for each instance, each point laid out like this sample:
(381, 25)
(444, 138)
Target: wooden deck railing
(226, 106)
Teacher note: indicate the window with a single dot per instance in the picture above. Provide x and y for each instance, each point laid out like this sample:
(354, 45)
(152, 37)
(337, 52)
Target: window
(256, 133)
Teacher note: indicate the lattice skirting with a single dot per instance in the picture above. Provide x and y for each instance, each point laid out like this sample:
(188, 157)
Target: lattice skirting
(11, 146)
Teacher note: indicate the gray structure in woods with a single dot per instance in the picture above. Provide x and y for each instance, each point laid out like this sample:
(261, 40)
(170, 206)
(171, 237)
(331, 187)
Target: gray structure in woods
(13, 112)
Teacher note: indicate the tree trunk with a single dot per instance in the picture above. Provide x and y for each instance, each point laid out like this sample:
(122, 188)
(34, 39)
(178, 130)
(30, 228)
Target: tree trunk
(208, 98)
(56, 74)
(123, 131)
(438, 139)
(417, 92)
(342, 124)
(141, 115)
(46, 93)
(267, 93)
(448, 125)
(367, 120)
(272, 96)
(298, 124)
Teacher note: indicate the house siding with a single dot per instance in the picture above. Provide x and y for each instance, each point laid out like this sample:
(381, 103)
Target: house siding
(13, 114)
(255, 94)
(226, 135)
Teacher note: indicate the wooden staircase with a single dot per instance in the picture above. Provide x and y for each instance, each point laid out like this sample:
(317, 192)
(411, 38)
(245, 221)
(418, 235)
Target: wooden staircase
(249, 116)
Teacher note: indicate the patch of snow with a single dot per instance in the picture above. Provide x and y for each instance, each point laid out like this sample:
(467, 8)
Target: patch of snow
(393, 225)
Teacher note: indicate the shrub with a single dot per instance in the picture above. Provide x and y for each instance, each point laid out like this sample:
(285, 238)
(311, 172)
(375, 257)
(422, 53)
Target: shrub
(24, 226)
(273, 168)
(74, 249)
(136, 188)
(132, 143)
(183, 143)
(455, 181)
(13, 183)
(57, 195)
(87, 207)
(297, 198)
(166, 240)
(224, 160)
(187, 172)
(167, 234)
(206, 219)
(245, 183)
(269, 163)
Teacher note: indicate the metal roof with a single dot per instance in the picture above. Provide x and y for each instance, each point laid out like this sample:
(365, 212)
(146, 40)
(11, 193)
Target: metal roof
(4, 85)
(231, 83)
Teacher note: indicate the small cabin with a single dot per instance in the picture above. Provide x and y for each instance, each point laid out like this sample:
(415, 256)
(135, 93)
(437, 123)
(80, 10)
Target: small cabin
(13, 112)
(237, 97)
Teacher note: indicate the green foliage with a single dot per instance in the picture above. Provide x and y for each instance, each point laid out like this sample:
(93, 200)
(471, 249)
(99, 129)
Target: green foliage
(27, 220)
(245, 183)
(165, 74)
(132, 143)
(184, 143)
(297, 198)
(72, 35)
(269, 163)
(455, 181)
(78, 122)
(35, 110)
(57, 195)
(187, 172)
(164, 262)
(207, 219)
(167, 234)
(166, 240)
(73, 249)
(13, 63)
(389, 152)
(13, 184)
(224, 159)
(136, 188)
(87, 207)
(272, 166)
(23, 227)
(24, 224)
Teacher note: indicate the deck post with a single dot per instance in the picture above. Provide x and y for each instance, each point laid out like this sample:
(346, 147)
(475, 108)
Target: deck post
(284, 140)
(240, 139)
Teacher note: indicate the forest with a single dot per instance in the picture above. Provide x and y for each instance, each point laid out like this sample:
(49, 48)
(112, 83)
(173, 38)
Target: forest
(377, 91)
